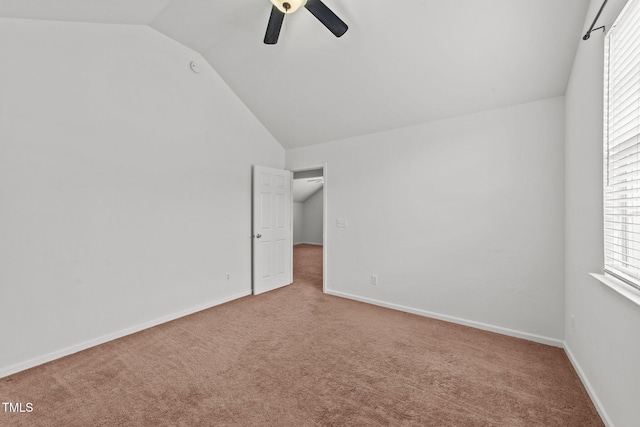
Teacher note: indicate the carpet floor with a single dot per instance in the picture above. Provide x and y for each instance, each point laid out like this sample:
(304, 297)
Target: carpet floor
(298, 357)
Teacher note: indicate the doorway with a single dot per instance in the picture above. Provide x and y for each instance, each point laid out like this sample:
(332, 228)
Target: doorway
(309, 226)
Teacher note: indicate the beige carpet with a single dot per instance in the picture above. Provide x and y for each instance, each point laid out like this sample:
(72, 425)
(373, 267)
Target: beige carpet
(297, 357)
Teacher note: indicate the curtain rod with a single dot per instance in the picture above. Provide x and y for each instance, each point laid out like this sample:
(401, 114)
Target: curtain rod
(588, 34)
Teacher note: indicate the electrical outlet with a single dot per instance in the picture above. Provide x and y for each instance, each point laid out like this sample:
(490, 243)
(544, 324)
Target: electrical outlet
(374, 279)
(228, 276)
(573, 323)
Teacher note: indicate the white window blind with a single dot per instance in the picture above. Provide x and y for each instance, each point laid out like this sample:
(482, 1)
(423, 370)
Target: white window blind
(622, 146)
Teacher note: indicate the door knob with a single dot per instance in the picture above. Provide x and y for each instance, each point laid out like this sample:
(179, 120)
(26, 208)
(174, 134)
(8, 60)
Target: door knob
(258, 236)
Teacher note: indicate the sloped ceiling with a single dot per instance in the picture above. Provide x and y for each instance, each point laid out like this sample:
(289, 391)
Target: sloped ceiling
(140, 12)
(304, 188)
(400, 63)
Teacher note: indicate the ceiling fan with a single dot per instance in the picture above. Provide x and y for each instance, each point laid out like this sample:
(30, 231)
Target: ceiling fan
(316, 7)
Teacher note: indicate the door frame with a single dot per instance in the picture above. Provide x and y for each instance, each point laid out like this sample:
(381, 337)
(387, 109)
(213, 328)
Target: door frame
(325, 234)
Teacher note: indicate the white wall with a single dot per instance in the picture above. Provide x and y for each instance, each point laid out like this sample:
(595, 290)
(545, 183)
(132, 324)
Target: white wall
(312, 222)
(125, 185)
(298, 222)
(462, 219)
(606, 342)
(307, 219)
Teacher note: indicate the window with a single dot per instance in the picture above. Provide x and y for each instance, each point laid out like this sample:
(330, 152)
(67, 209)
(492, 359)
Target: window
(622, 146)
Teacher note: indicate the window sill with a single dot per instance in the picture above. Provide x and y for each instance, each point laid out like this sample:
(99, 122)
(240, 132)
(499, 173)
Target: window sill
(619, 286)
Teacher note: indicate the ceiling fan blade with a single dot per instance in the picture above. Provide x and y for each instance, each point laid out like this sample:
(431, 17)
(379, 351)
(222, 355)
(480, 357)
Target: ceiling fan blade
(273, 28)
(327, 17)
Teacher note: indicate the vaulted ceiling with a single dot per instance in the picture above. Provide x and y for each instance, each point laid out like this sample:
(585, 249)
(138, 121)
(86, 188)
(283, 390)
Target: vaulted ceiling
(399, 64)
(304, 188)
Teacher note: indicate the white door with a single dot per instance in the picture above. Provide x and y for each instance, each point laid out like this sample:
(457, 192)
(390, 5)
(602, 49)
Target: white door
(272, 231)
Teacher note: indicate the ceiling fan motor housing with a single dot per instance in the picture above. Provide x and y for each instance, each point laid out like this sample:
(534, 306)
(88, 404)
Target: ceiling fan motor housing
(288, 6)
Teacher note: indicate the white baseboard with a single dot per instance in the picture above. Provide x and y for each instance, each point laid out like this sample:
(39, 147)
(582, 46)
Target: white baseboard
(587, 385)
(484, 326)
(308, 243)
(10, 370)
